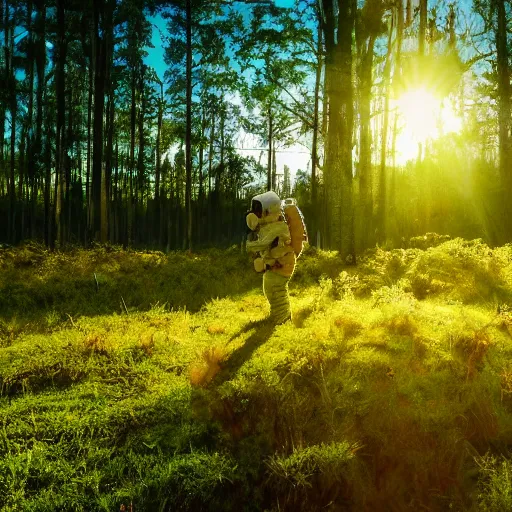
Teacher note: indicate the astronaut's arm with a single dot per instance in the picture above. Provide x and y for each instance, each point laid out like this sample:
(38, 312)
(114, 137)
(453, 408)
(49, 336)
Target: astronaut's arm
(261, 243)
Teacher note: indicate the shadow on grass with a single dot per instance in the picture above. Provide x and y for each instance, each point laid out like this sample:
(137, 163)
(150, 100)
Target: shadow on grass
(87, 285)
(263, 330)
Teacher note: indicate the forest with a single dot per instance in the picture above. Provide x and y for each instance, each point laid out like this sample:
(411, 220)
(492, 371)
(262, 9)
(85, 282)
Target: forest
(403, 107)
(141, 366)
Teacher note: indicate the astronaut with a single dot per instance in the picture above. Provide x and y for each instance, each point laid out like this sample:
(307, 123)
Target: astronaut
(271, 241)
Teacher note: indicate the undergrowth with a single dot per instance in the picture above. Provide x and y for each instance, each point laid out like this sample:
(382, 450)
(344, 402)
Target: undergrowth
(391, 389)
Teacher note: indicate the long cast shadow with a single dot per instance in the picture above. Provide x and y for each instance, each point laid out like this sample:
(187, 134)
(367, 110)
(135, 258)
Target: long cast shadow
(263, 330)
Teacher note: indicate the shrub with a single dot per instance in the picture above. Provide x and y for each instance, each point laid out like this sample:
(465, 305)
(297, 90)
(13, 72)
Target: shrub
(495, 484)
(394, 293)
(347, 286)
(305, 479)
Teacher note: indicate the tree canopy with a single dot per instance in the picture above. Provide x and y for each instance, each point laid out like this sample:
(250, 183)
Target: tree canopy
(404, 108)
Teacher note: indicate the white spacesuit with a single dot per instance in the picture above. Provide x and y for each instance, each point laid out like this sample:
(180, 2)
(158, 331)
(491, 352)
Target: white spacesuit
(276, 257)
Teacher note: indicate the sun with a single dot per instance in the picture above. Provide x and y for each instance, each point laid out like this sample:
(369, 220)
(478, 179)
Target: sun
(422, 117)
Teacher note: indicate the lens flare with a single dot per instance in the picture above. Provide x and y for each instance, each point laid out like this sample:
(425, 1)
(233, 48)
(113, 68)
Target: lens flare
(422, 117)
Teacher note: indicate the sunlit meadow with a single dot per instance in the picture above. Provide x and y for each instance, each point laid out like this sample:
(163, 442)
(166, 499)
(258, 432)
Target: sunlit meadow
(144, 380)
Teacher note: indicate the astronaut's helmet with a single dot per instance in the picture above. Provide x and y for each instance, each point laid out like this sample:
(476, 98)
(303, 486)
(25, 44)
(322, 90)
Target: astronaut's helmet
(266, 204)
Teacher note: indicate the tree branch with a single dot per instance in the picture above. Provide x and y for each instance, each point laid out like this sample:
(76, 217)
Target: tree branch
(482, 56)
(304, 119)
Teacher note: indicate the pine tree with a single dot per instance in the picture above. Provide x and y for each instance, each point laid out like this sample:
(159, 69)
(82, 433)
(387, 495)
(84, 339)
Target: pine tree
(338, 21)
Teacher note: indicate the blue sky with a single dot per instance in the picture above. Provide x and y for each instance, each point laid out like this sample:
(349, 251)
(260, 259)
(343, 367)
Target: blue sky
(155, 57)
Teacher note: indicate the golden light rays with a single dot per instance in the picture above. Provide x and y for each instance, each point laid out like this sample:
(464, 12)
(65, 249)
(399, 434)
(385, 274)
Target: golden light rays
(422, 117)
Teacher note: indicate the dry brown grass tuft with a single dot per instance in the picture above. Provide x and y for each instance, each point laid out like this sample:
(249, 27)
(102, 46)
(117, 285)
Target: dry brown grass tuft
(216, 329)
(376, 338)
(479, 424)
(470, 349)
(505, 320)
(202, 372)
(96, 343)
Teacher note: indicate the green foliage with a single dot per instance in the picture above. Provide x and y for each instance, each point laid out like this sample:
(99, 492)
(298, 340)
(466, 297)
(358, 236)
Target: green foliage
(394, 293)
(495, 485)
(296, 471)
(377, 394)
(106, 279)
(456, 270)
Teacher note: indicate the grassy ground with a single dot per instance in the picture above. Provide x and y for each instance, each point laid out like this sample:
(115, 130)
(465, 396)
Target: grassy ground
(149, 380)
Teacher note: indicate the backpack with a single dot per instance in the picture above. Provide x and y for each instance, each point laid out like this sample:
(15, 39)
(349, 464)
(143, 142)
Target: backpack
(296, 225)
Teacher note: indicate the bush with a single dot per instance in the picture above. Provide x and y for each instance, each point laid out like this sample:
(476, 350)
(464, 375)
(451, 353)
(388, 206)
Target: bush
(495, 484)
(304, 477)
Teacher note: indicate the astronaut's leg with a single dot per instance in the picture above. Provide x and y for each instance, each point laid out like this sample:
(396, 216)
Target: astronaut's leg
(275, 288)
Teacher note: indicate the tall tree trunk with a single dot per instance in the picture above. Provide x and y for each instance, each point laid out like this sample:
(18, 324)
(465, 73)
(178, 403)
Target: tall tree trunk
(171, 206)
(397, 73)
(200, 202)
(60, 59)
(323, 225)
(274, 167)
(9, 49)
(141, 152)
(158, 169)
(79, 201)
(99, 104)
(314, 145)
(408, 13)
(504, 112)
(40, 54)
(4, 177)
(424, 188)
(115, 197)
(270, 140)
(38, 46)
(162, 205)
(48, 217)
(219, 204)
(381, 202)
(107, 167)
(365, 157)
(338, 165)
(10, 83)
(29, 70)
(88, 194)
(133, 118)
(178, 219)
(188, 135)
(211, 155)
(20, 228)
(325, 102)
(71, 181)
(423, 26)
(451, 28)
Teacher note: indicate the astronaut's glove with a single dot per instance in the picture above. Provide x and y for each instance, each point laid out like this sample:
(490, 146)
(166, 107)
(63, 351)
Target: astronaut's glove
(259, 265)
(252, 221)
